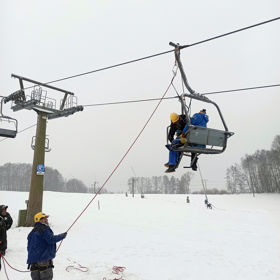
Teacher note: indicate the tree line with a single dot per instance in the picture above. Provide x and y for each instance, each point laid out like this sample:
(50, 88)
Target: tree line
(160, 184)
(17, 177)
(256, 173)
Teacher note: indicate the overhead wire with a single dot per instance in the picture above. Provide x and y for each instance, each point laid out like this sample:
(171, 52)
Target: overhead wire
(173, 97)
(241, 89)
(229, 33)
(20, 131)
(158, 54)
(156, 99)
(162, 53)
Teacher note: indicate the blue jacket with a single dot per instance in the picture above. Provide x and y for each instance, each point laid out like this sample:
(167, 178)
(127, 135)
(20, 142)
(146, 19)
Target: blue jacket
(42, 243)
(199, 119)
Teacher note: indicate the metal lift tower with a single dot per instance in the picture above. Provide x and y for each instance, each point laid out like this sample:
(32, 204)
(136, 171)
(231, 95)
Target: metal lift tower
(46, 109)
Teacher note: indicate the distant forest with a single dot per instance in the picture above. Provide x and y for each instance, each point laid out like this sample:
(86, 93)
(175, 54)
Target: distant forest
(161, 184)
(17, 176)
(257, 173)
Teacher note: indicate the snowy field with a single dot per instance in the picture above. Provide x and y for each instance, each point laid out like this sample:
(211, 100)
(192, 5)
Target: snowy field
(160, 237)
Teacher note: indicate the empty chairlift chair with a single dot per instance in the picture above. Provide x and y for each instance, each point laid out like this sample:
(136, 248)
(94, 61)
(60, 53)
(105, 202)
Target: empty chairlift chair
(8, 125)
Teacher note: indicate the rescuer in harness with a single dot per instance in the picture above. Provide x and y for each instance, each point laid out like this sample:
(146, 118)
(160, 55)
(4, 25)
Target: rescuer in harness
(41, 248)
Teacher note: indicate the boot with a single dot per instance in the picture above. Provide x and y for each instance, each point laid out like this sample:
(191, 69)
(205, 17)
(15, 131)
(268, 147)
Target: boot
(170, 169)
(166, 164)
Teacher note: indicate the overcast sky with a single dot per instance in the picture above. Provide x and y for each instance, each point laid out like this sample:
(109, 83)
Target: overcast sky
(47, 40)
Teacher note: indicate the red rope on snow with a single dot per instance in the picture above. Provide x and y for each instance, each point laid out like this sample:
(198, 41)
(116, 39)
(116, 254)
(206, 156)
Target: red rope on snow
(5, 261)
(117, 270)
(80, 268)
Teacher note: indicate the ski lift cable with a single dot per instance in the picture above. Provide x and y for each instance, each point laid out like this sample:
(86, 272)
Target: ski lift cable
(20, 131)
(229, 33)
(241, 89)
(156, 99)
(161, 53)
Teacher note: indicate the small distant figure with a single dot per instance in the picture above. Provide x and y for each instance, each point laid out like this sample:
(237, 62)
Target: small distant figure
(142, 195)
(126, 194)
(188, 199)
(206, 201)
(209, 205)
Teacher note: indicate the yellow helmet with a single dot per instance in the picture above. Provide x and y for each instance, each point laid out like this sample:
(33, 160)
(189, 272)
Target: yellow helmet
(39, 216)
(174, 117)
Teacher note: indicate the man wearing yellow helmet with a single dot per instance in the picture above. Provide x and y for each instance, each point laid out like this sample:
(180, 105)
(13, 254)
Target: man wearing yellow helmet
(178, 123)
(41, 248)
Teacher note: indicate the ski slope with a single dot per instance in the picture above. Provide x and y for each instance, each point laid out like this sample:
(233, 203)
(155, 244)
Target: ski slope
(158, 237)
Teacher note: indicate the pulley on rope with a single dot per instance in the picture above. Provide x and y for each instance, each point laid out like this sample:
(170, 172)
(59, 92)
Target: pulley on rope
(199, 140)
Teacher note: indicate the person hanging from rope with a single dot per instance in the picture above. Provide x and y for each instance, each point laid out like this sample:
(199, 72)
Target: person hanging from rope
(198, 119)
(41, 248)
(178, 124)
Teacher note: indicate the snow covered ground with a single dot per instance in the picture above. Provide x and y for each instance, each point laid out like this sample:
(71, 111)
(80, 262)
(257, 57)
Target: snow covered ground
(158, 237)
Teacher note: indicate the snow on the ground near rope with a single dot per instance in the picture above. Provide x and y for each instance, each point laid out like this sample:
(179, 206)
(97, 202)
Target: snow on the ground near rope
(158, 237)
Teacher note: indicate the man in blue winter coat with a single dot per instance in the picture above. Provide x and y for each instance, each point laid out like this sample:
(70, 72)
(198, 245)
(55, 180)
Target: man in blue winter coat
(41, 248)
(198, 119)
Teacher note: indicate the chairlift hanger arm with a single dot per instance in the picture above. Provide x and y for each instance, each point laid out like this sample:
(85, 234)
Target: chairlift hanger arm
(178, 60)
(193, 94)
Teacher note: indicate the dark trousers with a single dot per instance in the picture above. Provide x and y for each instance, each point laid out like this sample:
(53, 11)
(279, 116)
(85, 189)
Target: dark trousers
(42, 275)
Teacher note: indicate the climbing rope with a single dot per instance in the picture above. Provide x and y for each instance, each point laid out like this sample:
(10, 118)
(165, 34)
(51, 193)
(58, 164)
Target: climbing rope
(123, 157)
(5, 261)
(117, 270)
(111, 174)
(79, 267)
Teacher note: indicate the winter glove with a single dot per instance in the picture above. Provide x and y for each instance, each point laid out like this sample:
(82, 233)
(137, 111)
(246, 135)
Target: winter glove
(64, 234)
(183, 140)
(183, 135)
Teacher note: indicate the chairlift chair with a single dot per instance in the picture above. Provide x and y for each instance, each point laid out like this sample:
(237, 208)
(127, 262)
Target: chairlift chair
(199, 140)
(8, 125)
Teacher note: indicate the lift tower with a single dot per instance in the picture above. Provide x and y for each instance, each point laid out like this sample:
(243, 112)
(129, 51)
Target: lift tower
(46, 108)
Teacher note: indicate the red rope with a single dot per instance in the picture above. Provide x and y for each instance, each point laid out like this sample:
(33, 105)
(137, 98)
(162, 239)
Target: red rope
(116, 269)
(119, 163)
(2, 259)
(5, 261)
(80, 268)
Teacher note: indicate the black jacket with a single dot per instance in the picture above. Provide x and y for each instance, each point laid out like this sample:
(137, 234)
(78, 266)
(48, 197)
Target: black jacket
(178, 125)
(3, 235)
(5, 224)
(8, 220)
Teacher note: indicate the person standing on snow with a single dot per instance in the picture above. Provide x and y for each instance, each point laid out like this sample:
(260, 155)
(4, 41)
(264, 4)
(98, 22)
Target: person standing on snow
(41, 248)
(6, 222)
